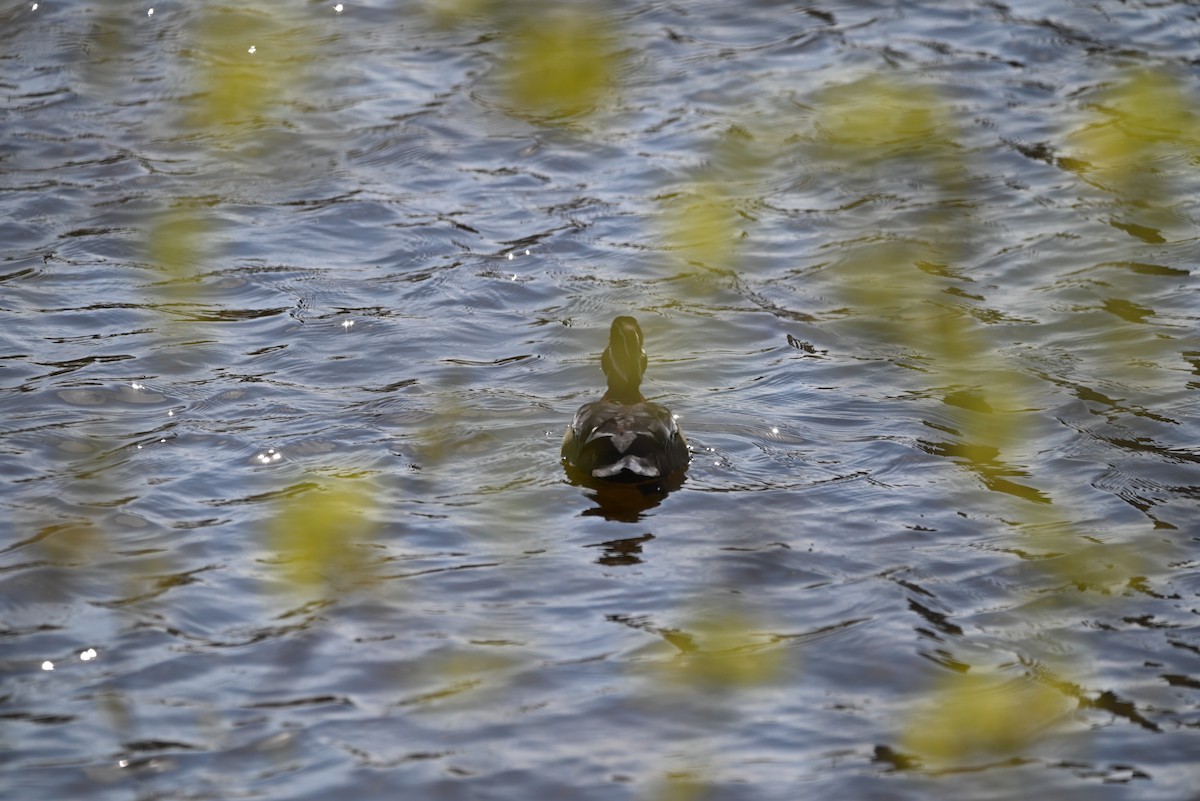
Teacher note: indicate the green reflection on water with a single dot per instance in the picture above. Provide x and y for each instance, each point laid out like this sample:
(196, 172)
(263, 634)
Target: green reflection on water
(886, 132)
(558, 62)
(321, 537)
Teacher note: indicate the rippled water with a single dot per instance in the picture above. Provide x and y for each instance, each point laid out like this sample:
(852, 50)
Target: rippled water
(394, 280)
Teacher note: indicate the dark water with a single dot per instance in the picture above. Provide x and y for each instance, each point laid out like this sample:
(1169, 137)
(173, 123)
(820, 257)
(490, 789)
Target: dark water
(941, 532)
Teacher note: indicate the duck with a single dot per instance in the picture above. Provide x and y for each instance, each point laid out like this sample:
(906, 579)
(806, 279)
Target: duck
(623, 437)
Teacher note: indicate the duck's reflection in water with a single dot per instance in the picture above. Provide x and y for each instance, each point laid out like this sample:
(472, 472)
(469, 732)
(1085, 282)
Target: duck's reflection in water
(619, 553)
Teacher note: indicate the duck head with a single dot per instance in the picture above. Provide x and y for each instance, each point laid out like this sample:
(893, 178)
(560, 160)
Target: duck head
(624, 361)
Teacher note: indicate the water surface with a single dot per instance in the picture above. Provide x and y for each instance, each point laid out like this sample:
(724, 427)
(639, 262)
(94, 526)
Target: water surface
(941, 400)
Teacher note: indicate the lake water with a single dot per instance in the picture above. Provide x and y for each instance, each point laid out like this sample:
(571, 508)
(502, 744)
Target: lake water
(295, 303)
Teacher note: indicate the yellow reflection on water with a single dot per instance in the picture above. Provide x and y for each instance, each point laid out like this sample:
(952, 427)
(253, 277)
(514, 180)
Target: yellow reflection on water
(320, 537)
(237, 88)
(722, 652)
(1139, 141)
(560, 62)
(885, 135)
(1140, 123)
(682, 785)
(706, 217)
(448, 12)
(177, 240)
(972, 717)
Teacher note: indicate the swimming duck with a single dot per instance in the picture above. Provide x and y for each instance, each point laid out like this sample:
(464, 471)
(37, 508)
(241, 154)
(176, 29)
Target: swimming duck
(624, 437)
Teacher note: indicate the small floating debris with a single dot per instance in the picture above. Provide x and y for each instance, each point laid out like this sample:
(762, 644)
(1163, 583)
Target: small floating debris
(88, 655)
(270, 456)
(803, 346)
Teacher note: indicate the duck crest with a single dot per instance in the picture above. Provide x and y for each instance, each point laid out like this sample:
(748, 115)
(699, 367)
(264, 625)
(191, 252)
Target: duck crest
(623, 437)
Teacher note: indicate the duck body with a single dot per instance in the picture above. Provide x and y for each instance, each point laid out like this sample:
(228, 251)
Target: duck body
(623, 437)
(625, 441)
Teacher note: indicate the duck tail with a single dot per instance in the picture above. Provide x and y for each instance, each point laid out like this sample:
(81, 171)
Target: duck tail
(638, 465)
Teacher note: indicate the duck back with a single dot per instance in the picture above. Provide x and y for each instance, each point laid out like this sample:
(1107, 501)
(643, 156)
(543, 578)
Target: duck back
(628, 442)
